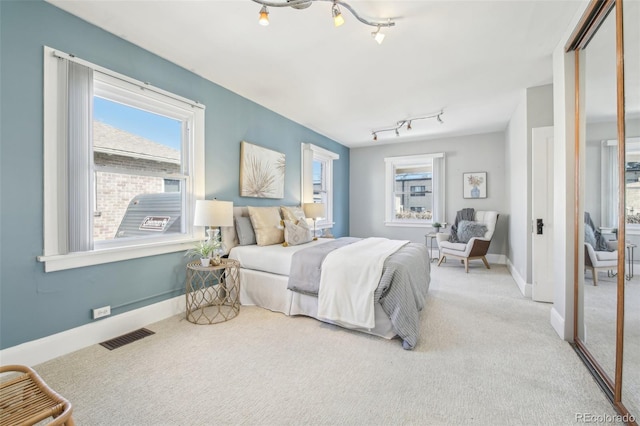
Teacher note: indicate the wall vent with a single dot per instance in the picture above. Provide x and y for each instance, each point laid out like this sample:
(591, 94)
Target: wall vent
(126, 338)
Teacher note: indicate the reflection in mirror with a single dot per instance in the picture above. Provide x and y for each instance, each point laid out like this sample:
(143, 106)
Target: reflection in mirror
(631, 356)
(600, 186)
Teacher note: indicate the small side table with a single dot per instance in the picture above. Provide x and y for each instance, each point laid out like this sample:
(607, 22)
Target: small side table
(630, 249)
(213, 292)
(428, 240)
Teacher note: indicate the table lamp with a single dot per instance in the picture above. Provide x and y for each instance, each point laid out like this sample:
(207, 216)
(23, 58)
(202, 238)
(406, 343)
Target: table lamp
(314, 211)
(213, 213)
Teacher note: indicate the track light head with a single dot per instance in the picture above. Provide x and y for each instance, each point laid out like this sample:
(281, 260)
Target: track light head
(375, 136)
(409, 125)
(264, 16)
(397, 133)
(378, 36)
(337, 15)
(439, 119)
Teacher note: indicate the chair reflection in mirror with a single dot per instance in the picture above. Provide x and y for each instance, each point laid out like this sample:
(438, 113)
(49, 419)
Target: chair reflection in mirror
(600, 254)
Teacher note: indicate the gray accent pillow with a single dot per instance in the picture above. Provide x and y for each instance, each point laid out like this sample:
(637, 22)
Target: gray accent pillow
(244, 230)
(589, 236)
(468, 229)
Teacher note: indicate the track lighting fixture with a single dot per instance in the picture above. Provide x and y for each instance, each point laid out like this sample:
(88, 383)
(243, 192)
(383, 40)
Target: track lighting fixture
(264, 16)
(407, 123)
(336, 13)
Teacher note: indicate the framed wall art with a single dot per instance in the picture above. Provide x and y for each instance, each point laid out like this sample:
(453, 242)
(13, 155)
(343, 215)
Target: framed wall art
(261, 172)
(474, 185)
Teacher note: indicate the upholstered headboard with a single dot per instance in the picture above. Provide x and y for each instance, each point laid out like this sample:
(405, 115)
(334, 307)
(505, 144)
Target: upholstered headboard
(228, 233)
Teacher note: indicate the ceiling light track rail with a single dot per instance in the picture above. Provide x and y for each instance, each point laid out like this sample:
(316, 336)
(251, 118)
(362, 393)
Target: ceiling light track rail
(302, 4)
(406, 122)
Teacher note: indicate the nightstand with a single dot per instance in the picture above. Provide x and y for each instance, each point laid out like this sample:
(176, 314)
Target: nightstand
(428, 240)
(213, 292)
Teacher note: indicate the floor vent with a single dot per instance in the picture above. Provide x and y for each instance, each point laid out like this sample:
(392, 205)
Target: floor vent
(126, 339)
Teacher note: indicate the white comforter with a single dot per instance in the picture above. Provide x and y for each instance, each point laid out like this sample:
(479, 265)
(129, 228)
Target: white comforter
(346, 292)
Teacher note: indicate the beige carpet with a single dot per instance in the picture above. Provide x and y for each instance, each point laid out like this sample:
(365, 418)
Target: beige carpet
(486, 356)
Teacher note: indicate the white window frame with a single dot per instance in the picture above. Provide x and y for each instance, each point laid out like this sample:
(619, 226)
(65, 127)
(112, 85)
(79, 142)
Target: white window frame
(609, 183)
(193, 163)
(311, 153)
(438, 189)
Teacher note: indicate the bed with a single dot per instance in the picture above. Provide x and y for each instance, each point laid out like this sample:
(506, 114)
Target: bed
(398, 297)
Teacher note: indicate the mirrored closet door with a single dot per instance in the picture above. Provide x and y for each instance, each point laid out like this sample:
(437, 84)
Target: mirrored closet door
(598, 289)
(606, 48)
(631, 338)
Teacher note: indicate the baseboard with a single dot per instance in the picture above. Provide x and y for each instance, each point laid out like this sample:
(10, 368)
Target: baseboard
(50, 347)
(523, 285)
(557, 322)
(497, 259)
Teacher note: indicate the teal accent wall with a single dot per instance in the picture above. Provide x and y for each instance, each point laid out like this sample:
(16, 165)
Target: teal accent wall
(35, 304)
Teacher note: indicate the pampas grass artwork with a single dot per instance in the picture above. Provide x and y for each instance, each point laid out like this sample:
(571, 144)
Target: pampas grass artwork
(261, 172)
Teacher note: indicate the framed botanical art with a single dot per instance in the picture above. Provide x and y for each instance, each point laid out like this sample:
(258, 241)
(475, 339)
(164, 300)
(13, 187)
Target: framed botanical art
(261, 172)
(474, 185)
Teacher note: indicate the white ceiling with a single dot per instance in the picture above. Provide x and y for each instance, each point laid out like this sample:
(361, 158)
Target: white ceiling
(472, 59)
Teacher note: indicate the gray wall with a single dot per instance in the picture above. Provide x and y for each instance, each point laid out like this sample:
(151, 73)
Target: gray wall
(516, 177)
(476, 153)
(35, 304)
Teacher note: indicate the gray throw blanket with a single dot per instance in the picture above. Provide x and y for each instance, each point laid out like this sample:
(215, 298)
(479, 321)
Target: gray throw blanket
(601, 242)
(464, 214)
(401, 291)
(306, 265)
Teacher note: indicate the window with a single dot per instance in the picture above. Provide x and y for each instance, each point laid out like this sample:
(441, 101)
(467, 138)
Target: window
(414, 190)
(317, 180)
(632, 185)
(171, 185)
(609, 185)
(132, 173)
(121, 157)
(419, 190)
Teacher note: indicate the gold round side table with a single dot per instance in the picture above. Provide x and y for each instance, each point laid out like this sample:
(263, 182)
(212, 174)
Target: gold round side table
(213, 292)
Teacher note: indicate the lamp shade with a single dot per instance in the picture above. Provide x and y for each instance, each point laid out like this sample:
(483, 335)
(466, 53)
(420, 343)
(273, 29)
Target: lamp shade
(213, 213)
(314, 210)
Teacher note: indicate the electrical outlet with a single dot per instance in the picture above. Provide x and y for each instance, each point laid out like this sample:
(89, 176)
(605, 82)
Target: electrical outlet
(101, 312)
